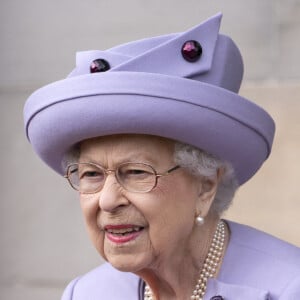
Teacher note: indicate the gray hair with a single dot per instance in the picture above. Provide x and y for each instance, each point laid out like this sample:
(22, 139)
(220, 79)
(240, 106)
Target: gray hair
(72, 156)
(201, 163)
(198, 163)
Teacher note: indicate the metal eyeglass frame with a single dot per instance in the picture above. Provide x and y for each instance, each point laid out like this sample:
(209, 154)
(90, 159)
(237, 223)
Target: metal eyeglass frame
(109, 171)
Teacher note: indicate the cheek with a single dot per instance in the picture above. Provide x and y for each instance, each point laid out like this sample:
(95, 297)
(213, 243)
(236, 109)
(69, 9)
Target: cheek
(90, 209)
(171, 218)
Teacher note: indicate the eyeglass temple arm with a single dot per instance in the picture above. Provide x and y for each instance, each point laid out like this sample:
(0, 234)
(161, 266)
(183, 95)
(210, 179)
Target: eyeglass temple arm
(72, 171)
(168, 172)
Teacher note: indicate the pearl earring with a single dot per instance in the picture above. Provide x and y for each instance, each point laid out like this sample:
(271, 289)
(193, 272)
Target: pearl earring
(199, 220)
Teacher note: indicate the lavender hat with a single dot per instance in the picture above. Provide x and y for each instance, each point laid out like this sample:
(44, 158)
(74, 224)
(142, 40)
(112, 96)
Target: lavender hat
(180, 86)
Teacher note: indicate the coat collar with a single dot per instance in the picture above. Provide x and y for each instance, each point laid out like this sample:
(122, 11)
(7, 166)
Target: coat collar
(224, 291)
(220, 285)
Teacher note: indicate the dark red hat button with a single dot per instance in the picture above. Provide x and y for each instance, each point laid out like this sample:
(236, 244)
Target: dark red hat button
(191, 51)
(217, 298)
(99, 65)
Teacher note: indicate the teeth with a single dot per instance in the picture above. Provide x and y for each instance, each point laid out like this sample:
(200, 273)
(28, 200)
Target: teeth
(124, 230)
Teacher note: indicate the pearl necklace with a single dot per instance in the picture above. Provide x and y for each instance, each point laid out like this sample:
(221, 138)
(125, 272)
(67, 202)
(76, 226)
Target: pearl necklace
(210, 265)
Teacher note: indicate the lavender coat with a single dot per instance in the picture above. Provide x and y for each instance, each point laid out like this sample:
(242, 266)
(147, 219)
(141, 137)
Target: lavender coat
(256, 266)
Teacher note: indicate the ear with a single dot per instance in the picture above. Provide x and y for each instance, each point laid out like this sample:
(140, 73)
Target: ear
(207, 190)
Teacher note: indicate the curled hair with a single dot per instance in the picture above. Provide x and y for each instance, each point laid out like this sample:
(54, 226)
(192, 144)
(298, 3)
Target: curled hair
(201, 163)
(72, 156)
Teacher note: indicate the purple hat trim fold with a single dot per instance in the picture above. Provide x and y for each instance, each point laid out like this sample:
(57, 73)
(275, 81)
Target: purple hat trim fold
(151, 89)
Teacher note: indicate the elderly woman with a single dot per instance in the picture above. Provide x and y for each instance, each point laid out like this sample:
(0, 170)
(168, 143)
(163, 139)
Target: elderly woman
(156, 140)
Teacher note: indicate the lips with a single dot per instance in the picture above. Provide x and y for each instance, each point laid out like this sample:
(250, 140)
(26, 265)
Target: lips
(124, 233)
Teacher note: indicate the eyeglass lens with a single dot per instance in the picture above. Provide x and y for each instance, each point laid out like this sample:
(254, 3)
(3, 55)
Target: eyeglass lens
(89, 178)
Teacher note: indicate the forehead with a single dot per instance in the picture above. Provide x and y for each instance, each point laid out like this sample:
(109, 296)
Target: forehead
(130, 147)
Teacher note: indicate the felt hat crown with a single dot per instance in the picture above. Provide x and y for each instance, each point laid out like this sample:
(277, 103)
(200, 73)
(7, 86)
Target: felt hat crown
(152, 86)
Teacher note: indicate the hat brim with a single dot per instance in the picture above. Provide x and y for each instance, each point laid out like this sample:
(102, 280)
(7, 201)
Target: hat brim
(216, 120)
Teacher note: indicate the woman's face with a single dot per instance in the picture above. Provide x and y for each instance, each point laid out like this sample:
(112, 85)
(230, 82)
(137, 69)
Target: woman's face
(136, 231)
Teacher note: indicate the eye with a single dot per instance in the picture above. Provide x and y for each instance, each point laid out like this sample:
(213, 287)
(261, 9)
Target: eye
(89, 172)
(135, 171)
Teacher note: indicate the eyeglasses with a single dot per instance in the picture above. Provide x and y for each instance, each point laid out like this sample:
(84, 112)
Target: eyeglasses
(89, 178)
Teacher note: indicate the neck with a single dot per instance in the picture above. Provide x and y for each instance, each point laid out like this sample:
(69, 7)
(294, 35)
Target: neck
(175, 277)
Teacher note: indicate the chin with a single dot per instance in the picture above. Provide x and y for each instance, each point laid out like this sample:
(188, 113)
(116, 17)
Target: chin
(128, 263)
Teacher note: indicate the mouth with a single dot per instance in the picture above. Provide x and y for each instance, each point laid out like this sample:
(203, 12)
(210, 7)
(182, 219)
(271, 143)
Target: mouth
(121, 234)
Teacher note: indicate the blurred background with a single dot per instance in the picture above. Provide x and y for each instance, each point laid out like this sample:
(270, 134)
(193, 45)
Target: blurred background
(43, 240)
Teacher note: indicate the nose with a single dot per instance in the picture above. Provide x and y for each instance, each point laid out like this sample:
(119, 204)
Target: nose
(111, 195)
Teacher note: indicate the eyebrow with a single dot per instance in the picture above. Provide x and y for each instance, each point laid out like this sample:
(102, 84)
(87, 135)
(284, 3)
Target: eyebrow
(136, 158)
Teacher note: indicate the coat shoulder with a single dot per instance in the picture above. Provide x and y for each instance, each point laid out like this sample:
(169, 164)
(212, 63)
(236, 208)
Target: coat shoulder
(243, 236)
(104, 282)
(262, 261)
